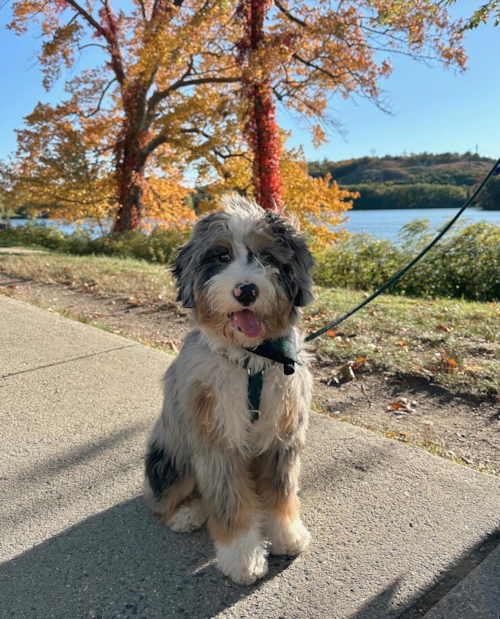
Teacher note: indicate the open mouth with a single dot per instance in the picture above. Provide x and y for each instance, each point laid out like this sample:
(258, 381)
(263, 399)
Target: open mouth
(247, 322)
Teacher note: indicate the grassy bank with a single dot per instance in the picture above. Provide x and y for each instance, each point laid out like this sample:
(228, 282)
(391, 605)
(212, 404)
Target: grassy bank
(453, 343)
(465, 264)
(159, 246)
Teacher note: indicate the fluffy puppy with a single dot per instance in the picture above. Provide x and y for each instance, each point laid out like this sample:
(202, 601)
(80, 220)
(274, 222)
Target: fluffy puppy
(243, 273)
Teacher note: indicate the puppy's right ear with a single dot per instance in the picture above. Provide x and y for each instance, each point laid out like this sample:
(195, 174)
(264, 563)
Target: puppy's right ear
(184, 271)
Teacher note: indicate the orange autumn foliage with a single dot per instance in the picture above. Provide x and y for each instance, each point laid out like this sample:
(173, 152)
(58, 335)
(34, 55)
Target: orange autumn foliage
(163, 93)
(317, 203)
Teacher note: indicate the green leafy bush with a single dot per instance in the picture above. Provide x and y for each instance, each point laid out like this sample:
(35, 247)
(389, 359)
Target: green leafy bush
(465, 264)
(159, 246)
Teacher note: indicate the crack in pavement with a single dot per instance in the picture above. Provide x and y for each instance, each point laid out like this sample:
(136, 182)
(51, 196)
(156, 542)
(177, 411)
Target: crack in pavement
(50, 365)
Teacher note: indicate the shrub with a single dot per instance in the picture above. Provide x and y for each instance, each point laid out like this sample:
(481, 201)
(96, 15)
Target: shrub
(465, 264)
(159, 246)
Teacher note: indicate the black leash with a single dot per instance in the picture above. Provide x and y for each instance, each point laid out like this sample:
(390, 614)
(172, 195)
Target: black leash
(282, 350)
(495, 170)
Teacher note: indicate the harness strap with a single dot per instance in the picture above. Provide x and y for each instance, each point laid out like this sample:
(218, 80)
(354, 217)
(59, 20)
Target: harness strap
(255, 382)
(281, 350)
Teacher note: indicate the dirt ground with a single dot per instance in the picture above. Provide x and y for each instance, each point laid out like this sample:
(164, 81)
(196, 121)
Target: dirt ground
(463, 428)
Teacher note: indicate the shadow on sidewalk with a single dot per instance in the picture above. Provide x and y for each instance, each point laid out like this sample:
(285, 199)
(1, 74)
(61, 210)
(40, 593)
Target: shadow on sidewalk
(383, 606)
(120, 563)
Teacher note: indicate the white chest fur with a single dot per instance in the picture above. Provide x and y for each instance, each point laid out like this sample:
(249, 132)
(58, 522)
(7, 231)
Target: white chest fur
(232, 416)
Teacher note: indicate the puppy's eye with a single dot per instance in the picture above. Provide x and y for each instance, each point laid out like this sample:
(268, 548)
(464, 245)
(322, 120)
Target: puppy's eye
(225, 257)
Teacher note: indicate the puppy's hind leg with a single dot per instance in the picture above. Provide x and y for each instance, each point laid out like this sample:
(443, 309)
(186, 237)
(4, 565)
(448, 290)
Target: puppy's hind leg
(170, 492)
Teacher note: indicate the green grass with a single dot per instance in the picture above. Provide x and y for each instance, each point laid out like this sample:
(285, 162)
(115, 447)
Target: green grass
(101, 275)
(453, 342)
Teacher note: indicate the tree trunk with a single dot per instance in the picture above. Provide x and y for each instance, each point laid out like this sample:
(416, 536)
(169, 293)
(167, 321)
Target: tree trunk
(267, 149)
(262, 130)
(129, 196)
(130, 161)
(130, 209)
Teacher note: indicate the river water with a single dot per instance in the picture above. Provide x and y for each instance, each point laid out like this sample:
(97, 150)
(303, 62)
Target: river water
(384, 224)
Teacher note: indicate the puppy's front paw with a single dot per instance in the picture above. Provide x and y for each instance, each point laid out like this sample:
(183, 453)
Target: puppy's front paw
(244, 560)
(289, 538)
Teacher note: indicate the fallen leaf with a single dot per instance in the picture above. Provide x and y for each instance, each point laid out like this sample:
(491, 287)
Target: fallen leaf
(395, 406)
(331, 333)
(361, 360)
(402, 404)
(451, 364)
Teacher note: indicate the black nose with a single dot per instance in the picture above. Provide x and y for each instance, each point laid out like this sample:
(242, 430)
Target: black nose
(246, 294)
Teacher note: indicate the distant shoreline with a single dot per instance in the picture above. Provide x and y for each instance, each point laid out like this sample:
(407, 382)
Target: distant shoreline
(410, 208)
(416, 208)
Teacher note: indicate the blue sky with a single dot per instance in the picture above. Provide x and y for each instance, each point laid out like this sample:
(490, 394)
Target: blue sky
(433, 110)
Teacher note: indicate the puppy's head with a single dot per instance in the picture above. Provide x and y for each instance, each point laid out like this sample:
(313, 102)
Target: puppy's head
(244, 271)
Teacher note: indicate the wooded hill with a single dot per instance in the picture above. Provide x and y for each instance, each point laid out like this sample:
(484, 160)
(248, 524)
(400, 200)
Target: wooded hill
(416, 181)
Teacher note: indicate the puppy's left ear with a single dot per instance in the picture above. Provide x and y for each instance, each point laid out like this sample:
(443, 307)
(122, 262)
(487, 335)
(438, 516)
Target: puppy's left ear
(302, 268)
(184, 272)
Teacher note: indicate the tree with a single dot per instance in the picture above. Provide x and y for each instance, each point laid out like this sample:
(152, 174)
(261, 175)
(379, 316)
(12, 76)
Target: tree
(490, 198)
(490, 10)
(181, 83)
(58, 171)
(302, 55)
(317, 203)
(161, 65)
(60, 175)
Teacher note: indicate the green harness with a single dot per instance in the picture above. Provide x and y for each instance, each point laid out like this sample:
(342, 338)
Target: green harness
(281, 350)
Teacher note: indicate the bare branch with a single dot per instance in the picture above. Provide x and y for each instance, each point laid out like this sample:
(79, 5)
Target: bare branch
(151, 146)
(88, 17)
(143, 10)
(286, 12)
(159, 95)
(80, 47)
(101, 99)
(316, 67)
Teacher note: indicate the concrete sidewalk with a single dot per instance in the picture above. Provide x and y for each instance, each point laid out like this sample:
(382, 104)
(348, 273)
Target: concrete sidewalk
(394, 528)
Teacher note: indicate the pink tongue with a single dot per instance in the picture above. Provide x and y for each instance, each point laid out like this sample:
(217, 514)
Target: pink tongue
(248, 322)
